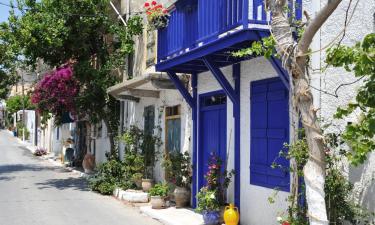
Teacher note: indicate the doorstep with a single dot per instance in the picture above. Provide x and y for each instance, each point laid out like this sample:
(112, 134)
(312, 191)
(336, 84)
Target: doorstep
(173, 216)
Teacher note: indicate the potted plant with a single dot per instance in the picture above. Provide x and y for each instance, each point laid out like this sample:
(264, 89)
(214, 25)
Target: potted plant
(209, 206)
(178, 171)
(88, 163)
(218, 180)
(140, 156)
(134, 167)
(157, 15)
(158, 195)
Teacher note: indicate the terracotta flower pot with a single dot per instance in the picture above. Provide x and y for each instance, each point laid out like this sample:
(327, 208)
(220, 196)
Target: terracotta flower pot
(158, 202)
(181, 196)
(147, 184)
(88, 163)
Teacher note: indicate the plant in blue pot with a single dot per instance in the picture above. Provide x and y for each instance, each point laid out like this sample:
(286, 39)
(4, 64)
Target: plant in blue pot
(209, 206)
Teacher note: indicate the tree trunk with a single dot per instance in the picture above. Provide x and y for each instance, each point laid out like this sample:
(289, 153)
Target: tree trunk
(295, 61)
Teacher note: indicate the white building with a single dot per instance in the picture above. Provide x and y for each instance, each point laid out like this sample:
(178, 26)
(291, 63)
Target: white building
(240, 108)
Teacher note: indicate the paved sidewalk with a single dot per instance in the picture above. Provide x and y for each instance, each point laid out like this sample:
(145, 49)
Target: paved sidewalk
(173, 216)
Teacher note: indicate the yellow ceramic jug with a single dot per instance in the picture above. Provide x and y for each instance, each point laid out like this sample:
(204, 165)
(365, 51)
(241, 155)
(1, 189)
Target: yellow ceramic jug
(231, 215)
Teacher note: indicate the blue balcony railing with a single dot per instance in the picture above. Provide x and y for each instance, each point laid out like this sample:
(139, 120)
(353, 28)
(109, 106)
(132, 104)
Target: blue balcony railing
(194, 23)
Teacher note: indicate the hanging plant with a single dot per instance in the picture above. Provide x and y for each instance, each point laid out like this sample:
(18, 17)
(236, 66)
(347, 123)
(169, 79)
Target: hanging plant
(56, 92)
(157, 15)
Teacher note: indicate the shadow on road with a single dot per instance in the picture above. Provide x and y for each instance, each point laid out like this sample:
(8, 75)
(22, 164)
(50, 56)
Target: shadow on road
(79, 184)
(7, 169)
(7, 178)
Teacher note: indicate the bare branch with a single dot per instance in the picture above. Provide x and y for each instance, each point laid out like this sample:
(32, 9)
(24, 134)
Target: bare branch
(316, 24)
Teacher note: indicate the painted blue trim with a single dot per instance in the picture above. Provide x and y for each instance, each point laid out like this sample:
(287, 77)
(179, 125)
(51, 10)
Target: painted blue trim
(210, 108)
(237, 134)
(276, 63)
(224, 83)
(211, 93)
(245, 13)
(281, 72)
(177, 82)
(207, 49)
(194, 83)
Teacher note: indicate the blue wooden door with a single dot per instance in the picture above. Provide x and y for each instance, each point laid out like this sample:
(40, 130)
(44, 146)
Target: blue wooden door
(212, 131)
(269, 131)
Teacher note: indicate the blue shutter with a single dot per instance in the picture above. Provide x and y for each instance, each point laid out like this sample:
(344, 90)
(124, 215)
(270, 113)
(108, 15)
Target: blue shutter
(269, 132)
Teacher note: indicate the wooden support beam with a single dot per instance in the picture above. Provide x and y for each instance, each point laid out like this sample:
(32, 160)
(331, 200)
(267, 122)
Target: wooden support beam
(180, 86)
(227, 87)
(283, 74)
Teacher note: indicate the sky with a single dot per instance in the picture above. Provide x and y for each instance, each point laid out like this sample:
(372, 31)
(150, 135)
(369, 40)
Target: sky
(4, 10)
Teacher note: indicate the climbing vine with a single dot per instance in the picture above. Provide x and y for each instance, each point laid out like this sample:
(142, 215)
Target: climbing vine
(360, 60)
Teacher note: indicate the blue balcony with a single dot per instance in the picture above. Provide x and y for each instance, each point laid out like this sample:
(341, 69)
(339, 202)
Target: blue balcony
(214, 28)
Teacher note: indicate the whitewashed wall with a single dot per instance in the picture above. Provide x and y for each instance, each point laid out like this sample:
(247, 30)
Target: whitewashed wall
(167, 98)
(102, 145)
(361, 24)
(254, 199)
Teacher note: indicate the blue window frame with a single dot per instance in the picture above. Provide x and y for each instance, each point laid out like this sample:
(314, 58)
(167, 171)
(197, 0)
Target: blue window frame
(269, 131)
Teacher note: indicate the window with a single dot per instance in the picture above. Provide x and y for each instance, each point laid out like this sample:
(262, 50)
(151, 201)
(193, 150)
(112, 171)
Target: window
(269, 131)
(149, 123)
(219, 99)
(173, 129)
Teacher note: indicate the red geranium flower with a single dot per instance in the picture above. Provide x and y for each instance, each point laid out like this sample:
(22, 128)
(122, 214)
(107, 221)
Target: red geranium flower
(147, 5)
(154, 3)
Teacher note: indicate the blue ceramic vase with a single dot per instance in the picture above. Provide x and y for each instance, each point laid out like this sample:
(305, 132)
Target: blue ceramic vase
(211, 217)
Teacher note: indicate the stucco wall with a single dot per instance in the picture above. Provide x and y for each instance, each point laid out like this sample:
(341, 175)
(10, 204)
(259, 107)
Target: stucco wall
(101, 144)
(329, 80)
(254, 199)
(133, 115)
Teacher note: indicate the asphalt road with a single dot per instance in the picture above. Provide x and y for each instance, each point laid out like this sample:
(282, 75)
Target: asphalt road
(34, 192)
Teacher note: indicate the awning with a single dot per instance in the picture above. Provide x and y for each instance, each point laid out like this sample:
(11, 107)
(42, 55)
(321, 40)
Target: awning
(148, 85)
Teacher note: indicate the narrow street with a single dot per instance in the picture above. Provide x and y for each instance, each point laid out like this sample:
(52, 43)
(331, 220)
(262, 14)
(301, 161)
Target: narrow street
(32, 192)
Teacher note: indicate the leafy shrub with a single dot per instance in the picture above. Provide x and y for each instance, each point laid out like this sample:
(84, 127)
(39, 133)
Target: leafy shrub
(140, 152)
(178, 169)
(21, 129)
(109, 176)
(207, 200)
(159, 190)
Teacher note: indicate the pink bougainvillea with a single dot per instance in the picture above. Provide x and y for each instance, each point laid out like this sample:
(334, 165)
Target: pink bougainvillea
(56, 92)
